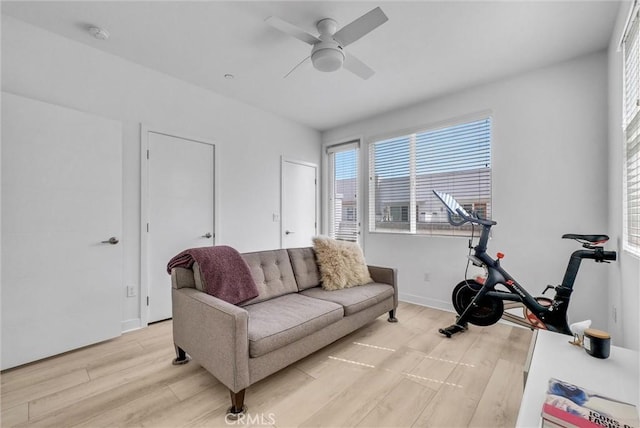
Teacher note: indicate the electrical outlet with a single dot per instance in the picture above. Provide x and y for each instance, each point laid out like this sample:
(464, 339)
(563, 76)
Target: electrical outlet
(131, 291)
(614, 314)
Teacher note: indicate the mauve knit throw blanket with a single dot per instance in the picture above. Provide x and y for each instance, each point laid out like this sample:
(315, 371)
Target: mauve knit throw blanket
(224, 272)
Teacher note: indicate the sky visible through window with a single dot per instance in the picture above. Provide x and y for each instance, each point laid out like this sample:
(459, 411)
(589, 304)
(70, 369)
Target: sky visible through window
(344, 164)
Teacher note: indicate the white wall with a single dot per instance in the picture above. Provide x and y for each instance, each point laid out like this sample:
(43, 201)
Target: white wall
(549, 178)
(624, 278)
(249, 142)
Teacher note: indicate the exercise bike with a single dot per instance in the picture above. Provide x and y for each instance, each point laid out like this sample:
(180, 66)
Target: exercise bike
(477, 301)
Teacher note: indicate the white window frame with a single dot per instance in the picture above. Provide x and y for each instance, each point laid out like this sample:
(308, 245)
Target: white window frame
(631, 131)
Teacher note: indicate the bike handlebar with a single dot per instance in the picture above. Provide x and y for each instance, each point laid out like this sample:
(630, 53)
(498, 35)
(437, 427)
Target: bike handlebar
(452, 222)
(454, 208)
(469, 219)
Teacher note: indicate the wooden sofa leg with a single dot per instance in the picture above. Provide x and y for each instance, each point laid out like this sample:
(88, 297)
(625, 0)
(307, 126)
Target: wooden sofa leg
(392, 316)
(237, 408)
(181, 357)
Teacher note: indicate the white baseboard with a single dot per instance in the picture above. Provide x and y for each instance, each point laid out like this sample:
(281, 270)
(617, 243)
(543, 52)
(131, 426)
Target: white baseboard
(424, 301)
(132, 324)
(444, 306)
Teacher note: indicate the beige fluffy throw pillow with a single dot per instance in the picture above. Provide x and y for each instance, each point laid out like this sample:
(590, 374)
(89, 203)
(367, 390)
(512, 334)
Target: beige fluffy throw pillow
(341, 263)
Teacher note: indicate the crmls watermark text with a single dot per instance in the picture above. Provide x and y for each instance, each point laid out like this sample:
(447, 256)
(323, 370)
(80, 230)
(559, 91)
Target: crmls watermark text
(252, 420)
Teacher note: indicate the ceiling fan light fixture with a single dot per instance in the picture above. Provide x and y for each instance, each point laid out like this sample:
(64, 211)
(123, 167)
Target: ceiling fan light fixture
(327, 59)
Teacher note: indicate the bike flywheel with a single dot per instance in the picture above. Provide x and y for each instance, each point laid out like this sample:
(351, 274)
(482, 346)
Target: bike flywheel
(486, 311)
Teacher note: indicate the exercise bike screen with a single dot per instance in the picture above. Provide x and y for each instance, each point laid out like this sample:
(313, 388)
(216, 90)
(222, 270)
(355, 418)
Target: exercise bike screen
(452, 205)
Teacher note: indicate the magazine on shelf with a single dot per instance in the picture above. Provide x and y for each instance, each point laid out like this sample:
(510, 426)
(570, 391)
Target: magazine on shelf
(568, 405)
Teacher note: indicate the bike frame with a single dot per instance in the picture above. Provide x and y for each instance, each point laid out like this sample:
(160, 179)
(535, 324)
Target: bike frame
(552, 317)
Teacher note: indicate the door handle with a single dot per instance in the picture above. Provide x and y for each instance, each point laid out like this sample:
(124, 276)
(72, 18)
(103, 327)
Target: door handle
(113, 241)
(288, 232)
(207, 235)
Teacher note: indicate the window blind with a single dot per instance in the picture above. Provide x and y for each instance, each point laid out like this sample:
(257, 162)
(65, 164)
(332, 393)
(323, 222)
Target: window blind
(343, 194)
(404, 170)
(631, 121)
(389, 182)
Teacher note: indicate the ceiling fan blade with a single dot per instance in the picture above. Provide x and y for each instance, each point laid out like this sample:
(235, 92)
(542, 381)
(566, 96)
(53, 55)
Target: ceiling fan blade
(361, 26)
(357, 67)
(292, 30)
(296, 67)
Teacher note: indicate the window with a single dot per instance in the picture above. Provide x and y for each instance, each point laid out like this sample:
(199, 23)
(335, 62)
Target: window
(343, 192)
(631, 123)
(404, 170)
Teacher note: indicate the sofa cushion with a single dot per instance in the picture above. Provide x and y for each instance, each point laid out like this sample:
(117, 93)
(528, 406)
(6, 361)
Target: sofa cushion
(353, 299)
(271, 270)
(283, 320)
(341, 263)
(305, 267)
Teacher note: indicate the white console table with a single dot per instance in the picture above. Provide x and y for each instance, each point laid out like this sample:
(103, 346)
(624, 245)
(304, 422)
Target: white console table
(553, 356)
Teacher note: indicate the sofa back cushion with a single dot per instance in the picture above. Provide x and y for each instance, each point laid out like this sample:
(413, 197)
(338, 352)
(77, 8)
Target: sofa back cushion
(271, 270)
(305, 267)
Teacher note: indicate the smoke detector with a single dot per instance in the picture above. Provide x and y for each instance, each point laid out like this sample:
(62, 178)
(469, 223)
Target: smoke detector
(99, 33)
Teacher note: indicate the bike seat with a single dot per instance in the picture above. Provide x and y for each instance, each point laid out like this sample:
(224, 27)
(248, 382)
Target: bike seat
(593, 239)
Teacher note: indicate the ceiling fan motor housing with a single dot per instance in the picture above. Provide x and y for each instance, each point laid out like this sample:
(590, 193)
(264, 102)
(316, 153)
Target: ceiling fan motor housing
(327, 27)
(327, 55)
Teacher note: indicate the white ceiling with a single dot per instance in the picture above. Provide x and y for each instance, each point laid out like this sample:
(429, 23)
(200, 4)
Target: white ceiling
(425, 50)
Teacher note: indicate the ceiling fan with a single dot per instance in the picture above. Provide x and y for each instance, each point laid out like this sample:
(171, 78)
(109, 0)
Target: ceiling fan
(327, 53)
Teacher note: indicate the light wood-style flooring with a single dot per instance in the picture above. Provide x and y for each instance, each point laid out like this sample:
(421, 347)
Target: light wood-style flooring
(383, 375)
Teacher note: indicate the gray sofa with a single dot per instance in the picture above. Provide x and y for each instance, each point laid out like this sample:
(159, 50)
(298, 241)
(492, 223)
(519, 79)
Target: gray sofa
(291, 318)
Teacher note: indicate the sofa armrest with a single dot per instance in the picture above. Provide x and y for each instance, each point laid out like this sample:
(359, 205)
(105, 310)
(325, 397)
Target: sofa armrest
(182, 277)
(386, 275)
(214, 333)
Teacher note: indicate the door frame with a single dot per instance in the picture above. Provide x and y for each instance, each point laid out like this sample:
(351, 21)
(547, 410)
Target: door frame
(284, 160)
(144, 208)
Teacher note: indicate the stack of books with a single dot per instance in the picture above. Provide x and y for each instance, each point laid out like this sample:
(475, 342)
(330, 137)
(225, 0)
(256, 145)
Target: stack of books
(570, 406)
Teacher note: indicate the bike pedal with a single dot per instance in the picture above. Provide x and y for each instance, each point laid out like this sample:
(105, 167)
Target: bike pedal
(445, 332)
(453, 329)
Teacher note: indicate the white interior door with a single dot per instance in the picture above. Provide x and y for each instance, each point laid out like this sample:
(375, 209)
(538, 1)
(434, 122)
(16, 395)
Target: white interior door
(180, 209)
(61, 196)
(299, 203)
